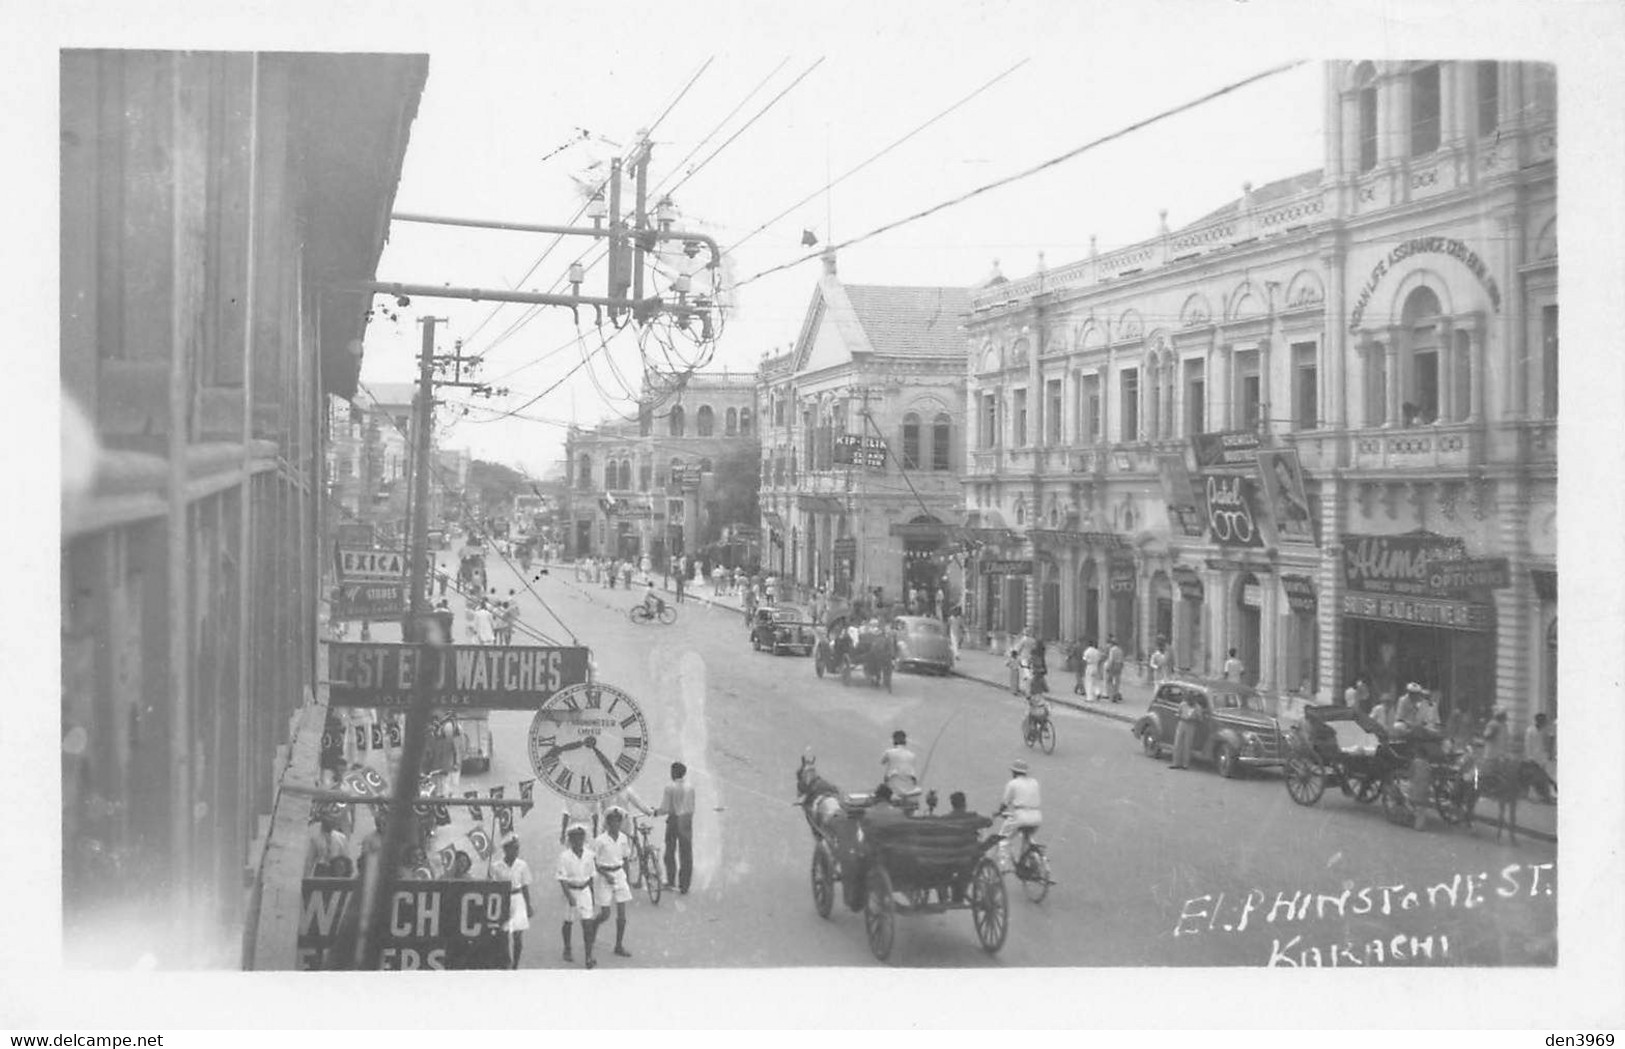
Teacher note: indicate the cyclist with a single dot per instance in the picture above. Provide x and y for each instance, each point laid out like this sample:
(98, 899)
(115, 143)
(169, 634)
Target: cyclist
(1037, 714)
(1020, 810)
(652, 602)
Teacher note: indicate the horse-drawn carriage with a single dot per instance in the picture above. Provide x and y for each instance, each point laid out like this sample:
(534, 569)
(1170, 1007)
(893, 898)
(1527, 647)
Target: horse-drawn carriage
(1340, 746)
(889, 861)
(874, 651)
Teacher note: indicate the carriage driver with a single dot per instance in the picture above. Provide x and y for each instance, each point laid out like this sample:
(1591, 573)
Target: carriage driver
(1020, 810)
(897, 766)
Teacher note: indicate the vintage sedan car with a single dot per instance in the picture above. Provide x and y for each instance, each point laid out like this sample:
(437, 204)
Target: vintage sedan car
(922, 644)
(1240, 729)
(782, 628)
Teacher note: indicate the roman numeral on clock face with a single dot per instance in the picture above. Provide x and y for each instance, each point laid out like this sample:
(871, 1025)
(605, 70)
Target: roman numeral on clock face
(586, 785)
(564, 778)
(570, 701)
(632, 742)
(626, 762)
(595, 700)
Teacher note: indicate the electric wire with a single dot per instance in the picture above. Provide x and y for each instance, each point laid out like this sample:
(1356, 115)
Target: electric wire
(746, 126)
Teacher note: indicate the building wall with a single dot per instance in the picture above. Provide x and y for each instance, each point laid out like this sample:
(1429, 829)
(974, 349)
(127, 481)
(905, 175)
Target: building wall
(1302, 289)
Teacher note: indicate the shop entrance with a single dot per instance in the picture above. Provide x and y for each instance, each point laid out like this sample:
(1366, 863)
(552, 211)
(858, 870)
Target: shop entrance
(1190, 652)
(1457, 664)
(1248, 628)
(1049, 602)
(1162, 608)
(1089, 597)
(1015, 604)
(1125, 606)
(583, 543)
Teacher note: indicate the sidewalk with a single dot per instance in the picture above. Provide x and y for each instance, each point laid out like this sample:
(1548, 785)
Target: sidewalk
(975, 664)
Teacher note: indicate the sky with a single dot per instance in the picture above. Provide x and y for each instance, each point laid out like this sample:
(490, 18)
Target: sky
(498, 136)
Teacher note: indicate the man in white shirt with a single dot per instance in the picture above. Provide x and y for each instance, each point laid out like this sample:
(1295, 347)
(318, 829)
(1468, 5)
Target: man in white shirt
(1020, 808)
(485, 631)
(1537, 752)
(611, 851)
(1091, 672)
(516, 872)
(897, 766)
(576, 872)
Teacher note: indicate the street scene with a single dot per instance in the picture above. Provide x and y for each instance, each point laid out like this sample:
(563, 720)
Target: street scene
(677, 532)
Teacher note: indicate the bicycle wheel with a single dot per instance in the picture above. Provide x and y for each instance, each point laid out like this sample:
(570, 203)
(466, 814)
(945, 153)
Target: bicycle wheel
(1028, 736)
(649, 871)
(639, 614)
(1033, 872)
(1046, 736)
(668, 615)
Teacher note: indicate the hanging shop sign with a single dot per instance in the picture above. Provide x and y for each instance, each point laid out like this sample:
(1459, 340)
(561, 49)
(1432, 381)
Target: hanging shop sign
(1226, 449)
(1423, 246)
(1230, 564)
(854, 450)
(369, 601)
(1232, 517)
(431, 924)
(1282, 476)
(846, 546)
(356, 565)
(1108, 540)
(1398, 564)
(1181, 498)
(1432, 612)
(355, 535)
(1122, 577)
(1300, 593)
(478, 677)
(1190, 584)
(1007, 567)
(1252, 595)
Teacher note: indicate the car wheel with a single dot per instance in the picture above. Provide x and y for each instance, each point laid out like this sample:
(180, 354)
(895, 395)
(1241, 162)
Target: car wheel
(1148, 742)
(1226, 760)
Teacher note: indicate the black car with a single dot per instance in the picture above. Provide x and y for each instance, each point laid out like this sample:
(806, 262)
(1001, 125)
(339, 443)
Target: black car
(1239, 730)
(781, 628)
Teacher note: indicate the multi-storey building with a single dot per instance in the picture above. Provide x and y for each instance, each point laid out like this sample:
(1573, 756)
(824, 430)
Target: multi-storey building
(217, 208)
(669, 480)
(882, 367)
(1357, 366)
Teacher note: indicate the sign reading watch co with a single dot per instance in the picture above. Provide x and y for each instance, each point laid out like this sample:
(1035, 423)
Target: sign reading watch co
(477, 677)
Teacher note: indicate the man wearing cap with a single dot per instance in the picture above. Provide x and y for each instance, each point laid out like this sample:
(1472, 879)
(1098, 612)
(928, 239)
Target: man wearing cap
(1020, 808)
(677, 805)
(1419, 719)
(611, 851)
(516, 872)
(576, 873)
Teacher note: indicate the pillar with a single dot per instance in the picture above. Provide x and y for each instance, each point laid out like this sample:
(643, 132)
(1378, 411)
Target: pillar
(1330, 588)
(1334, 350)
(1269, 616)
(1224, 358)
(1391, 416)
(1516, 614)
(1518, 362)
(1478, 360)
(1447, 370)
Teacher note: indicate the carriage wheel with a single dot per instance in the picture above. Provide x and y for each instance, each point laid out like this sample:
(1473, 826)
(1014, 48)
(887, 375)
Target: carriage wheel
(1046, 737)
(1365, 788)
(989, 906)
(879, 914)
(1304, 780)
(649, 871)
(1034, 874)
(1454, 798)
(823, 880)
(1396, 805)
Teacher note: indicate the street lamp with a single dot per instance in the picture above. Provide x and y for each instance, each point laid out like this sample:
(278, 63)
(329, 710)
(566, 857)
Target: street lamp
(596, 209)
(665, 214)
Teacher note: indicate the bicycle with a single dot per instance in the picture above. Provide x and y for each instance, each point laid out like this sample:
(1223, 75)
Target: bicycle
(1039, 730)
(1032, 866)
(648, 860)
(640, 613)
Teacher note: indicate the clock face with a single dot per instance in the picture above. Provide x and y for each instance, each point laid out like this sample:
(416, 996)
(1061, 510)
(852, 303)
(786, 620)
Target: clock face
(589, 741)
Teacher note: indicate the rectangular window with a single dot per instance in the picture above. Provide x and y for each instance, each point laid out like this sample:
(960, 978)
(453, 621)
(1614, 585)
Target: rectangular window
(1090, 419)
(1548, 360)
(1305, 386)
(1052, 412)
(1368, 129)
(1424, 110)
(1129, 385)
(644, 472)
(1249, 390)
(990, 421)
(1424, 387)
(942, 444)
(911, 443)
(807, 437)
(1376, 387)
(778, 411)
(1195, 396)
(1489, 97)
(1019, 438)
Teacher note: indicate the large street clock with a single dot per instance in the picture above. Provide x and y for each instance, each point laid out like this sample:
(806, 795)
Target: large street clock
(589, 741)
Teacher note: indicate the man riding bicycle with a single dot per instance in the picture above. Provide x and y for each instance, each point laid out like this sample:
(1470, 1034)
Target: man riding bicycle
(1020, 809)
(652, 602)
(1037, 714)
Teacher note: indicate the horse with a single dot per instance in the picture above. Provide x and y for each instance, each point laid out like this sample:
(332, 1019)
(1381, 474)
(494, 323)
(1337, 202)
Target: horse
(1506, 779)
(820, 800)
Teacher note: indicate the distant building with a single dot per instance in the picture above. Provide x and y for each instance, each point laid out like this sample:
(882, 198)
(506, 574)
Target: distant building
(883, 368)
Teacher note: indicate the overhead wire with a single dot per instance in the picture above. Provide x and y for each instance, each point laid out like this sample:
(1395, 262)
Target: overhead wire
(747, 125)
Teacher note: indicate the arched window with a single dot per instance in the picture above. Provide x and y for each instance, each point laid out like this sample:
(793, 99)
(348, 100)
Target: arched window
(584, 471)
(1021, 512)
(942, 432)
(1422, 371)
(744, 422)
(730, 426)
(609, 474)
(675, 421)
(626, 474)
(704, 421)
(911, 441)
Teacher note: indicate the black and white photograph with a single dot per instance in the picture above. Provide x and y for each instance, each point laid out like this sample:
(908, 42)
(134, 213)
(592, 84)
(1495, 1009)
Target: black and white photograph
(740, 506)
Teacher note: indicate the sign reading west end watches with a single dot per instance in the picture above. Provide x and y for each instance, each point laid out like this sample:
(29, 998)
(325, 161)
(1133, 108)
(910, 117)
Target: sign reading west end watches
(478, 677)
(589, 742)
(370, 600)
(358, 566)
(432, 924)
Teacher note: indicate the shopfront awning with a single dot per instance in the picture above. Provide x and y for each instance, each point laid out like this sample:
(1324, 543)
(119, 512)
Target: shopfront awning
(820, 504)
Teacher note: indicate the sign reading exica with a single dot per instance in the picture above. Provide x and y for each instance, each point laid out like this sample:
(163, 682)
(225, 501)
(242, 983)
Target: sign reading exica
(362, 565)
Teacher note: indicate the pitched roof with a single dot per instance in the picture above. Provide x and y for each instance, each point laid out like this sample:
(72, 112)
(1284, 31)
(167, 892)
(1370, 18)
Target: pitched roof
(1268, 193)
(910, 322)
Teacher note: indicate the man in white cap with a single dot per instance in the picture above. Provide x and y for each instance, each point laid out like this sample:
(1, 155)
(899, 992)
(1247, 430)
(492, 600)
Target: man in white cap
(576, 873)
(516, 872)
(611, 851)
(1020, 809)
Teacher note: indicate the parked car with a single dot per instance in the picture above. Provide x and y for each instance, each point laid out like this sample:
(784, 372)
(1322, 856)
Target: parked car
(474, 736)
(781, 628)
(1240, 729)
(922, 644)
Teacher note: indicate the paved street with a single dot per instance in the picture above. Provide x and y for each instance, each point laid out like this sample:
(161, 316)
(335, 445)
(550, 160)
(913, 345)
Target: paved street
(1151, 868)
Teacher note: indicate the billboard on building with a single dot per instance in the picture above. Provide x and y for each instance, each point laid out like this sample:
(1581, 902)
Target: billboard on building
(1281, 474)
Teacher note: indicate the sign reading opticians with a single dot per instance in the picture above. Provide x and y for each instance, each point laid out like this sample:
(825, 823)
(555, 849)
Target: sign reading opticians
(477, 677)
(1401, 564)
(1423, 246)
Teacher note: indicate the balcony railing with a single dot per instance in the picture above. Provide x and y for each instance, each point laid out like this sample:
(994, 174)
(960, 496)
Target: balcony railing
(1454, 445)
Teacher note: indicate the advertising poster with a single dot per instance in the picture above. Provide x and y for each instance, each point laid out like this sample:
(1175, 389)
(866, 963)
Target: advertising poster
(1231, 510)
(1184, 507)
(1282, 477)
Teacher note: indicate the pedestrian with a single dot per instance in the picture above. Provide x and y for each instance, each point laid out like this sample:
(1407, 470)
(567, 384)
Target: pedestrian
(510, 616)
(1382, 712)
(1091, 670)
(681, 584)
(576, 872)
(325, 844)
(1232, 667)
(516, 872)
(1191, 710)
(1537, 753)
(1161, 663)
(1358, 695)
(677, 805)
(440, 760)
(1114, 670)
(956, 630)
(611, 851)
(485, 631)
(1497, 744)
